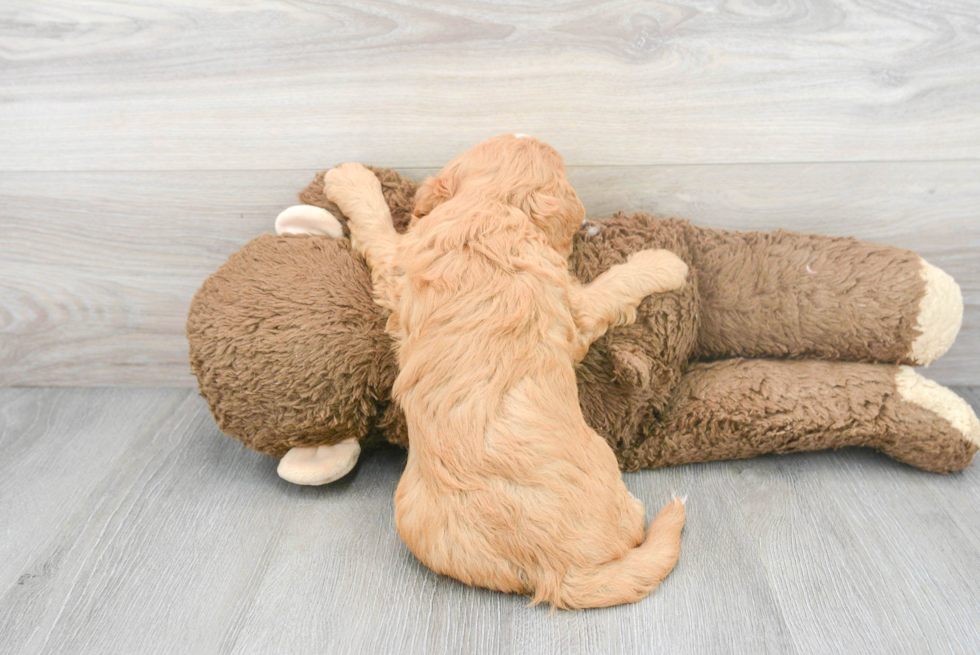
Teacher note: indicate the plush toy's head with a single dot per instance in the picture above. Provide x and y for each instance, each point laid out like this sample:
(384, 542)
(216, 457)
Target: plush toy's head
(287, 344)
(268, 322)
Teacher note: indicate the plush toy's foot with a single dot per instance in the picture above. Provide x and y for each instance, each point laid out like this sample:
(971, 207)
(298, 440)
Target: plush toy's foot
(940, 315)
(319, 464)
(940, 401)
(307, 219)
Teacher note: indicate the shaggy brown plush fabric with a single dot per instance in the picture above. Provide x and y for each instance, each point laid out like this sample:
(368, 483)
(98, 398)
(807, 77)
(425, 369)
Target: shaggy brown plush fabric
(280, 368)
(784, 294)
(290, 350)
(782, 407)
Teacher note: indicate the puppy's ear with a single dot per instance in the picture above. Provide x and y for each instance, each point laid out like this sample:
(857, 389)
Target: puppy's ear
(558, 215)
(433, 192)
(541, 207)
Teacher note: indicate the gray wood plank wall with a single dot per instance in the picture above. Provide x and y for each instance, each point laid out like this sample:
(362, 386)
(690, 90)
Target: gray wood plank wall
(144, 142)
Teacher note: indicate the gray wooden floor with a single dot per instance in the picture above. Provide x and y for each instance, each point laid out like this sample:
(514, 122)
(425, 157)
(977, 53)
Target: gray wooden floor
(130, 525)
(145, 141)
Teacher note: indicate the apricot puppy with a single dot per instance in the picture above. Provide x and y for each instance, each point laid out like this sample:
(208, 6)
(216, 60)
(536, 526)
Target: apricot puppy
(506, 487)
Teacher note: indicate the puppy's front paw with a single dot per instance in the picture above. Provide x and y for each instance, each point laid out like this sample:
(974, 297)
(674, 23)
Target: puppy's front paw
(661, 270)
(346, 183)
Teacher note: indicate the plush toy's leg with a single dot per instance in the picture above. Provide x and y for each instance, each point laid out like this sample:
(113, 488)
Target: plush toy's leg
(733, 409)
(785, 294)
(612, 298)
(307, 219)
(319, 464)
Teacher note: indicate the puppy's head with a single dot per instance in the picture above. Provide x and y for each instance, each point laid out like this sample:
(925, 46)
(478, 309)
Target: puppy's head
(517, 170)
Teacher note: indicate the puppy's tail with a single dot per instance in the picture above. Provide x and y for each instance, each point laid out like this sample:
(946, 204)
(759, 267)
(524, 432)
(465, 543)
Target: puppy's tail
(633, 576)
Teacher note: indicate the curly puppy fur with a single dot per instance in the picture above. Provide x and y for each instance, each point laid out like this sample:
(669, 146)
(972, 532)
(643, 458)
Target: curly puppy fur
(506, 486)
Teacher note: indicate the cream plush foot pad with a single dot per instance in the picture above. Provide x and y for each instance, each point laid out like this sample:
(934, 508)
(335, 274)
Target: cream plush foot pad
(319, 464)
(940, 315)
(939, 400)
(307, 219)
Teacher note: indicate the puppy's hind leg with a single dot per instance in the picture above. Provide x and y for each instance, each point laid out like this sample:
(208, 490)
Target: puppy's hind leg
(633, 576)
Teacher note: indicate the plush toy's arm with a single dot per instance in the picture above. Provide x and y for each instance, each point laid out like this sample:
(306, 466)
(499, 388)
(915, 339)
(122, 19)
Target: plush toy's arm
(612, 298)
(738, 408)
(783, 294)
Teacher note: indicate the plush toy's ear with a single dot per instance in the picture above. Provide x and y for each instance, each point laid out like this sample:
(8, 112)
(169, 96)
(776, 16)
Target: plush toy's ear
(316, 465)
(307, 219)
(433, 192)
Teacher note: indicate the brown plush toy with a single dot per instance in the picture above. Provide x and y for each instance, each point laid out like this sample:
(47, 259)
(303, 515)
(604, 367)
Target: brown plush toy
(781, 342)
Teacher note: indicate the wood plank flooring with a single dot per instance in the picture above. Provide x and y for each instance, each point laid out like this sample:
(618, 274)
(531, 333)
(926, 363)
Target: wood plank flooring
(132, 526)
